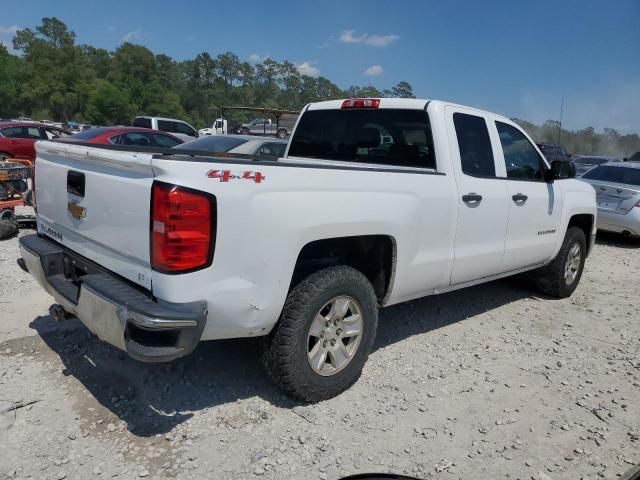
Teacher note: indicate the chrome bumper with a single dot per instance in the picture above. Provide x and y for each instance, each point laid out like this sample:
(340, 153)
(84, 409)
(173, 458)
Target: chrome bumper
(114, 310)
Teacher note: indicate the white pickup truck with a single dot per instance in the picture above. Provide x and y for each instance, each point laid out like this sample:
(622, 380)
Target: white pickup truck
(376, 202)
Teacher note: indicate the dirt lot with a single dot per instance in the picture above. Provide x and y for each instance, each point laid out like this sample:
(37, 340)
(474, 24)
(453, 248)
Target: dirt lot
(489, 382)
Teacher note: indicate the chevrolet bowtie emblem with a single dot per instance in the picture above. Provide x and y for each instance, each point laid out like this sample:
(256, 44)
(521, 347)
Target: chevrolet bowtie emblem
(76, 210)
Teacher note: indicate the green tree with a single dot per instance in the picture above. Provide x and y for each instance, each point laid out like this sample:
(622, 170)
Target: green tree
(108, 105)
(12, 76)
(403, 90)
(50, 51)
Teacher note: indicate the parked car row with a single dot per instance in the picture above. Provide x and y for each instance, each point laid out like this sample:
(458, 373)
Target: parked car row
(17, 139)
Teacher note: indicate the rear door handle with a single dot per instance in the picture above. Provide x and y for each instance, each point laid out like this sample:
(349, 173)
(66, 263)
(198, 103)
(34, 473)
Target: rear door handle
(472, 198)
(519, 198)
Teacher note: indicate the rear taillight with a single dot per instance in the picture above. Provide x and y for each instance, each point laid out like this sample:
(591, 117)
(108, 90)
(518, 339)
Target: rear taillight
(361, 103)
(182, 228)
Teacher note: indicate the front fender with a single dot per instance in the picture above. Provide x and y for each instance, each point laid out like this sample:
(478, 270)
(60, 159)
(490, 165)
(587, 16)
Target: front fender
(579, 199)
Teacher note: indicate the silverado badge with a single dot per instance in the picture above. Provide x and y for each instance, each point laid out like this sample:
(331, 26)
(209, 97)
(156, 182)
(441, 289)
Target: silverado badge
(76, 210)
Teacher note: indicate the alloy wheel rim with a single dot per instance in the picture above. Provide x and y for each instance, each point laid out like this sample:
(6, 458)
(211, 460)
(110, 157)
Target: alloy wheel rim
(334, 335)
(572, 265)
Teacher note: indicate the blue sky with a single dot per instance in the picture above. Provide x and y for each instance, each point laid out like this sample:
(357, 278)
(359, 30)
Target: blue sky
(514, 58)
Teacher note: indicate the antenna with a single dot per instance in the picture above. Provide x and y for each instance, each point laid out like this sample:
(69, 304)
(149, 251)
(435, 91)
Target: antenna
(560, 125)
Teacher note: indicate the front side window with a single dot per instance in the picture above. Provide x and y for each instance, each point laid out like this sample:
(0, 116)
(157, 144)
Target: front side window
(520, 157)
(476, 154)
(383, 136)
(183, 128)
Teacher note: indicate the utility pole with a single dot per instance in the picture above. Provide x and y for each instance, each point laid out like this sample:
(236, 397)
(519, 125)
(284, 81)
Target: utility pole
(560, 125)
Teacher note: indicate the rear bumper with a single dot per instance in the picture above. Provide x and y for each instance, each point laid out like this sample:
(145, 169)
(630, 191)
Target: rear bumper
(614, 222)
(148, 329)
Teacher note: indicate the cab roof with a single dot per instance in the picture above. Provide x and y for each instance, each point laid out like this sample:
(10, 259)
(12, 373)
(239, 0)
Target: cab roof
(407, 104)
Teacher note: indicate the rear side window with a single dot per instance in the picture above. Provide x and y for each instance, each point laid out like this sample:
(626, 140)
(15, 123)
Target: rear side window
(22, 132)
(272, 149)
(165, 141)
(521, 159)
(628, 176)
(476, 154)
(213, 144)
(383, 136)
(137, 139)
(165, 126)
(142, 122)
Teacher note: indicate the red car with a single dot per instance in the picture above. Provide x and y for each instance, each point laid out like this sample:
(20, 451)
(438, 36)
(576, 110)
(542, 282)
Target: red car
(17, 138)
(139, 137)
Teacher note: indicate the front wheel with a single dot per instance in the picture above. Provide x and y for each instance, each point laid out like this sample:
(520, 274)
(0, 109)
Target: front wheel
(561, 277)
(324, 334)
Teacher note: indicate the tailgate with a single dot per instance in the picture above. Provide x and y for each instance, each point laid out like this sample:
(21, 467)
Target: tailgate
(96, 202)
(615, 198)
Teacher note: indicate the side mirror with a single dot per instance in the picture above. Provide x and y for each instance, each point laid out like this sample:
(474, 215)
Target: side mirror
(560, 170)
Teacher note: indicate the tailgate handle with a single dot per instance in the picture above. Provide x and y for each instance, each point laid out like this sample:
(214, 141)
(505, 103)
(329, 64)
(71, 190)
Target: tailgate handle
(75, 183)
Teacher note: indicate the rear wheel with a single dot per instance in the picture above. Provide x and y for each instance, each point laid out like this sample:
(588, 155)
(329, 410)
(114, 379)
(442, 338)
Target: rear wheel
(281, 133)
(561, 277)
(323, 337)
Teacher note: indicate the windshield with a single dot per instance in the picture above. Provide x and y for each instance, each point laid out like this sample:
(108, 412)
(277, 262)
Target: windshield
(213, 144)
(626, 175)
(388, 136)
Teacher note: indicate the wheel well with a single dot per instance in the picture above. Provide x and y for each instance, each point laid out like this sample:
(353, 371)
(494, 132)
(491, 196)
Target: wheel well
(373, 255)
(584, 222)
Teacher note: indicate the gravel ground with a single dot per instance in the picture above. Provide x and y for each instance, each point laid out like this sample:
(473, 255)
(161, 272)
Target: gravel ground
(489, 382)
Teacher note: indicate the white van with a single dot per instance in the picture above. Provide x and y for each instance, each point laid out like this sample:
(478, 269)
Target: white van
(171, 125)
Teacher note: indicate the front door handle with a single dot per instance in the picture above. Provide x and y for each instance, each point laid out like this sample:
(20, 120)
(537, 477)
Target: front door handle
(519, 198)
(472, 198)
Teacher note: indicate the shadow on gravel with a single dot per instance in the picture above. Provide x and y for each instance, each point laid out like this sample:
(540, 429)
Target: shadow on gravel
(617, 240)
(153, 398)
(431, 313)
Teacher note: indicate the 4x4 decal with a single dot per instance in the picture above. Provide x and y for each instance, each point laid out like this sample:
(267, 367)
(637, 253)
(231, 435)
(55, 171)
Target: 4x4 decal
(226, 175)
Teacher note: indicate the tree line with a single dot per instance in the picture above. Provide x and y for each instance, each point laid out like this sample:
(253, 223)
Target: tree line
(585, 141)
(55, 78)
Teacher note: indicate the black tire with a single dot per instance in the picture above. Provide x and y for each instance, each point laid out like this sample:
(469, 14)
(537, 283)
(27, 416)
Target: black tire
(284, 350)
(244, 131)
(281, 134)
(4, 156)
(552, 280)
(8, 229)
